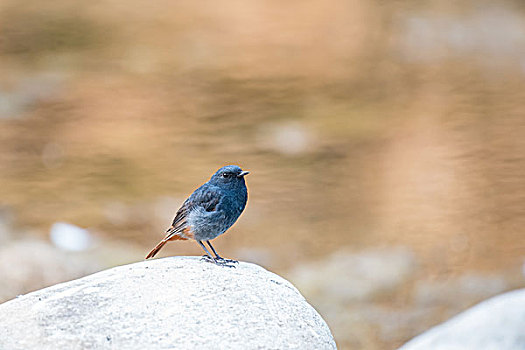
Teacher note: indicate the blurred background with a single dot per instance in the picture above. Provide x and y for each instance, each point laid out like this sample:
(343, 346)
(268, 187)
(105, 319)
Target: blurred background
(385, 140)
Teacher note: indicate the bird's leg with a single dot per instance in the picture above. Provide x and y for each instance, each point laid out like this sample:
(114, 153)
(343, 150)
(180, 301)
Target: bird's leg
(219, 257)
(209, 258)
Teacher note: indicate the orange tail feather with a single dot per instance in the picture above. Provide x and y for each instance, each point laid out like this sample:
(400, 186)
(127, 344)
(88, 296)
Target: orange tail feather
(159, 246)
(156, 249)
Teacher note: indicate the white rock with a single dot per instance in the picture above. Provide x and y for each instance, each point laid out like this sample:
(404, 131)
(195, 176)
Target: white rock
(171, 303)
(497, 323)
(70, 237)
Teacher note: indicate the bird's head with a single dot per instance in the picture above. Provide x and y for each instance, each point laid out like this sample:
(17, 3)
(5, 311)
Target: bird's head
(229, 175)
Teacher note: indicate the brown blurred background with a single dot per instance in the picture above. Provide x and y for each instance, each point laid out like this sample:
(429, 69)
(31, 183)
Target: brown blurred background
(385, 142)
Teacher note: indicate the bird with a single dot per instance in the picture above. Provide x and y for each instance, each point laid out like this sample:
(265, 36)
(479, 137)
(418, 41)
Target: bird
(209, 212)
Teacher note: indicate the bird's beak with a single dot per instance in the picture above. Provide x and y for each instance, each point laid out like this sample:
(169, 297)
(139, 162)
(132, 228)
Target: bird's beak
(243, 173)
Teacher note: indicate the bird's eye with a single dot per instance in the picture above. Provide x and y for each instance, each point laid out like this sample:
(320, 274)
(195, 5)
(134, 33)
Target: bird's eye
(225, 175)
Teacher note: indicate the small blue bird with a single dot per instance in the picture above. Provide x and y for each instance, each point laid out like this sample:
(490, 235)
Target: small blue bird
(211, 210)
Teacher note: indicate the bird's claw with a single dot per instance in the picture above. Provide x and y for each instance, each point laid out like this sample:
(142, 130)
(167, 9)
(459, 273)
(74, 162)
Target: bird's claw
(229, 261)
(207, 258)
(219, 261)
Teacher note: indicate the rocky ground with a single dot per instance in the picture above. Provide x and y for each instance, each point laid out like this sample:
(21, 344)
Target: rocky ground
(175, 303)
(372, 299)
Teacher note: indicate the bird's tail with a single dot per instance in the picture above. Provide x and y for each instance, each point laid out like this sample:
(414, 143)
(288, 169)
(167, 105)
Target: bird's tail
(169, 237)
(156, 249)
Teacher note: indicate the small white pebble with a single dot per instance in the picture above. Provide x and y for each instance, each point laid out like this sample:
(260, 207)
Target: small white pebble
(70, 237)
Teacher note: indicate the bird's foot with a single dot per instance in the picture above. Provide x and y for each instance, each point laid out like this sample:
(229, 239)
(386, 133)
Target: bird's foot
(228, 261)
(218, 261)
(207, 258)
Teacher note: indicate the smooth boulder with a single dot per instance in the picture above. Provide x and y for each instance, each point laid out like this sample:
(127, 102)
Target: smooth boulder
(496, 323)
(170, 303)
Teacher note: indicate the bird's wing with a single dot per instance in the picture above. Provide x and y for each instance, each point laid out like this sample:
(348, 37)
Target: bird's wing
(206, 197)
